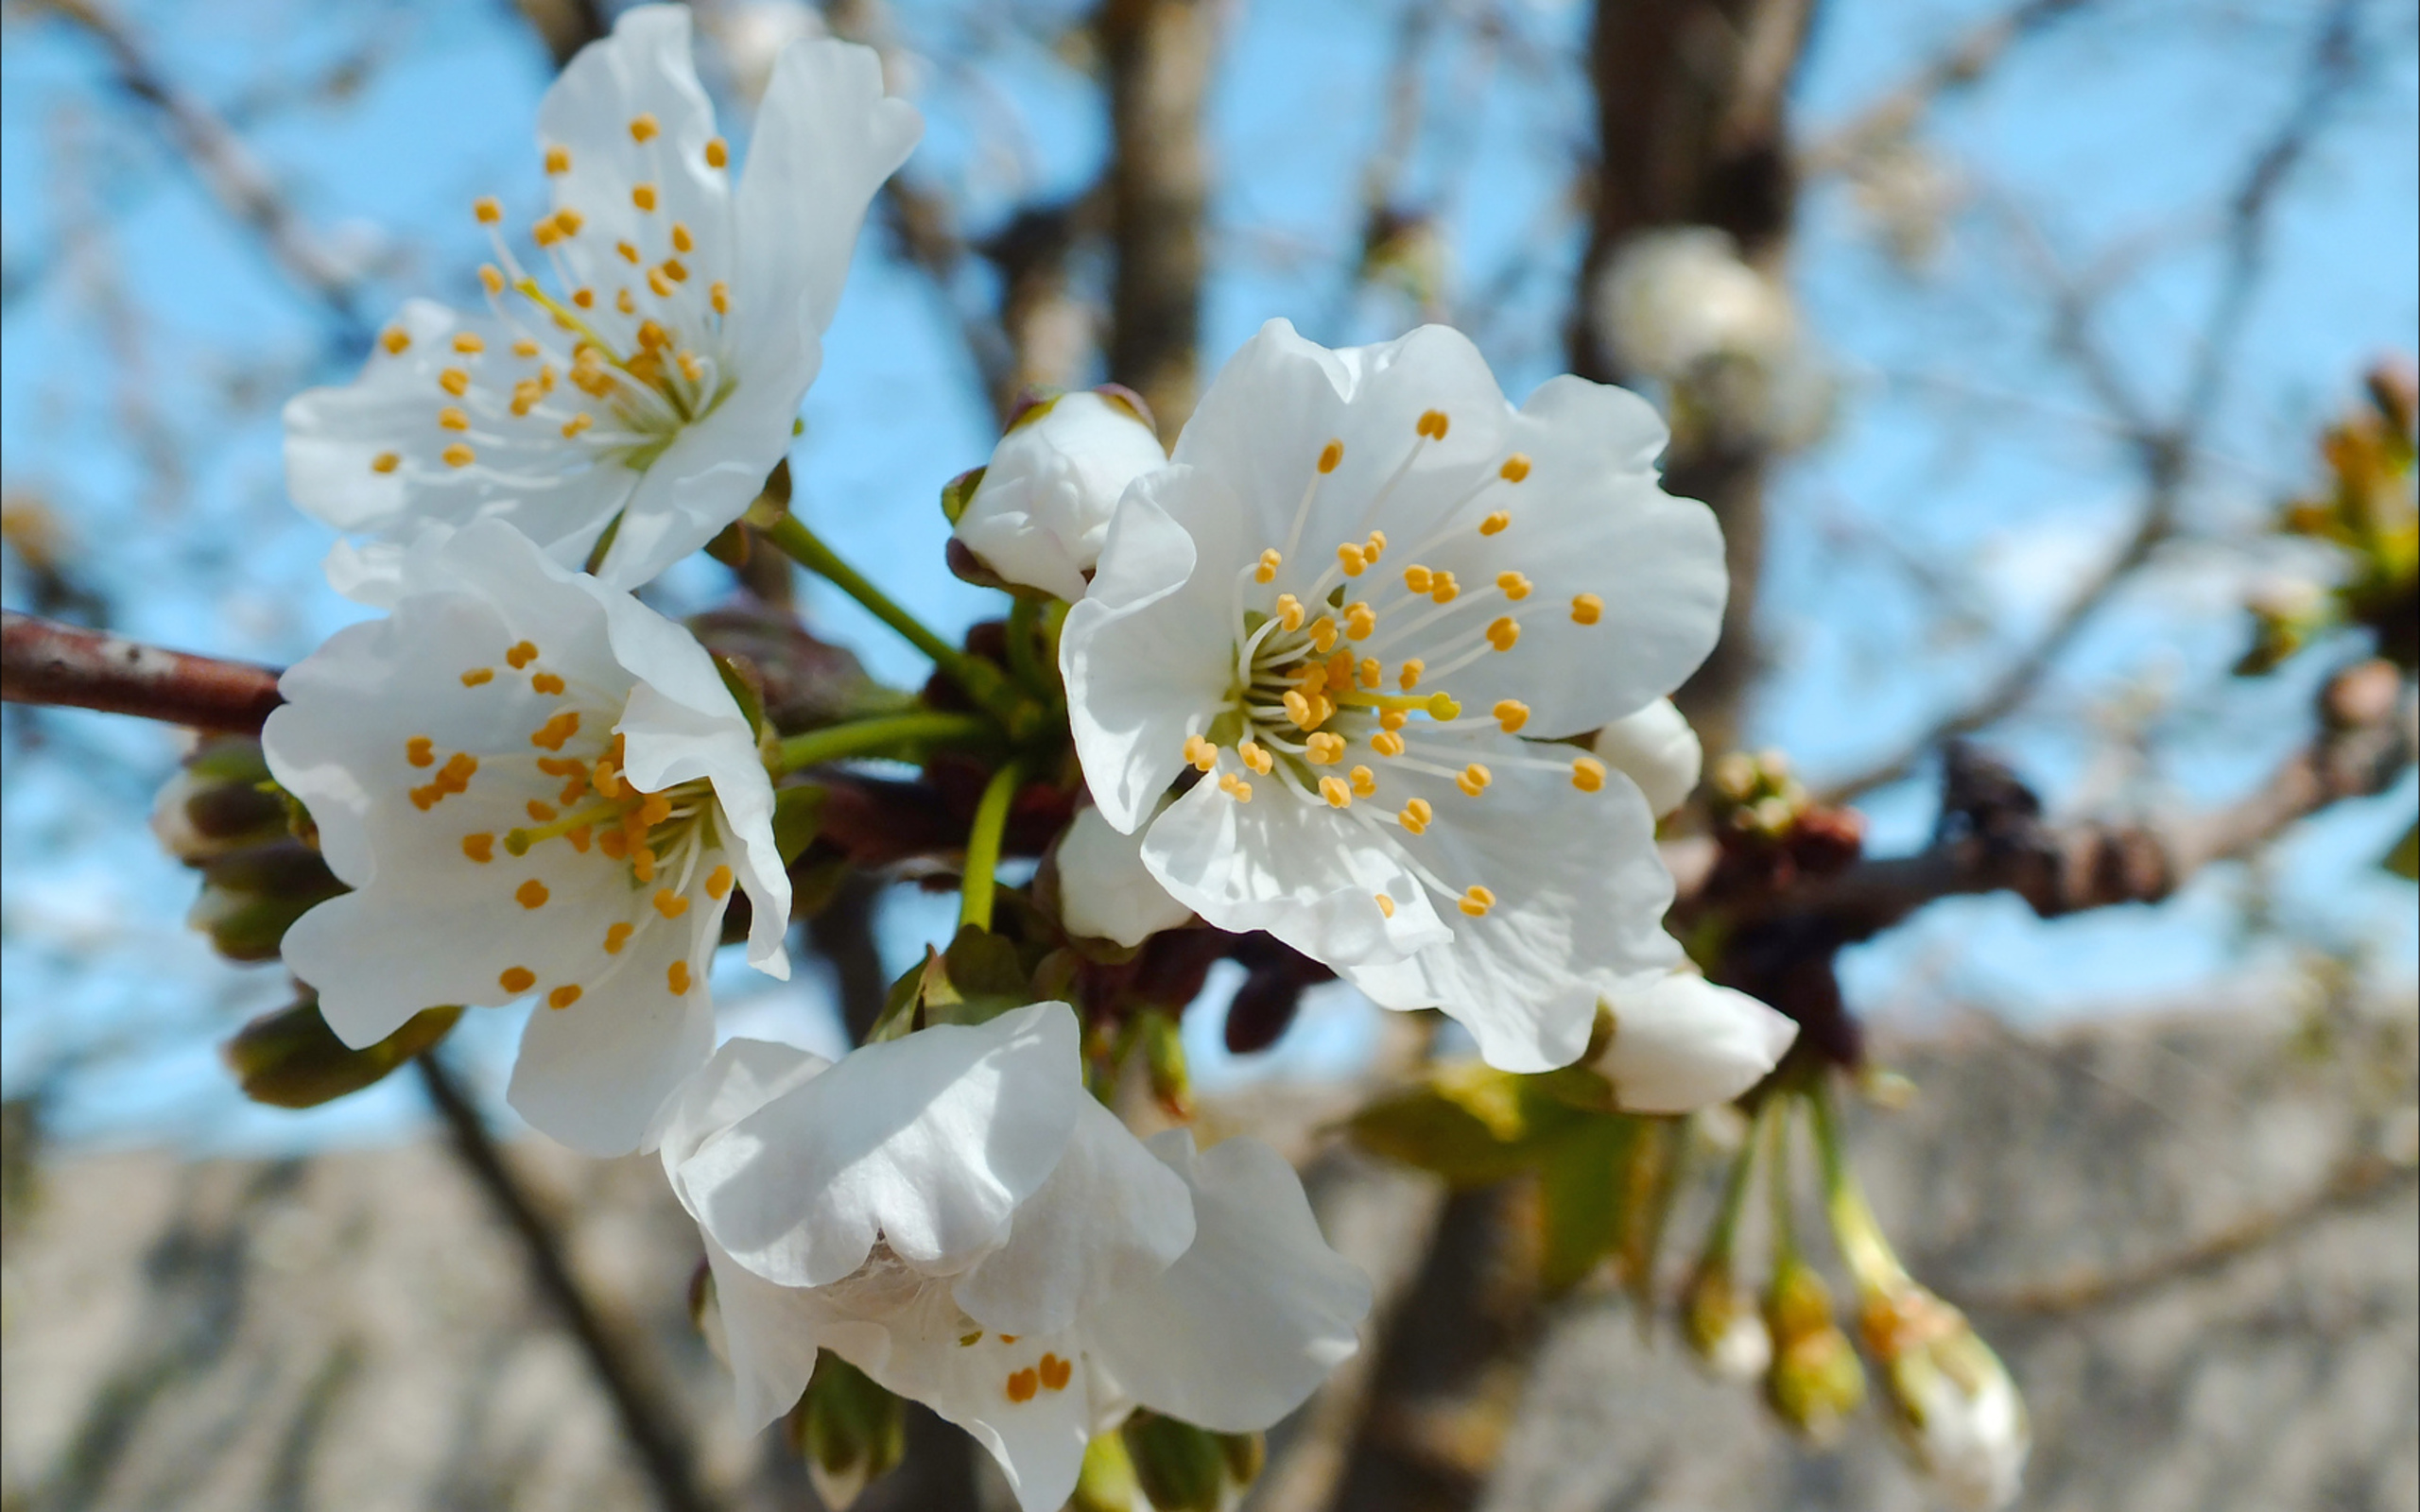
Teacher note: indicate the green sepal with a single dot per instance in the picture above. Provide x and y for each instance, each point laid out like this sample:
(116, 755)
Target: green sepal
(1180, 1468)
(849, 1430)
(291, 1058)
(959, 492)
(798, 817)
(1580, 1180)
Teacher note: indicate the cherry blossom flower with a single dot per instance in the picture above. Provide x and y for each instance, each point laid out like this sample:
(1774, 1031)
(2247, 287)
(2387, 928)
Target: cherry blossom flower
(1361, 603)
(1680, 1042)
(639, 403)
(1656, 748)
(953, 1214)
(535, 787)
(1104, 889)
(1040, 513)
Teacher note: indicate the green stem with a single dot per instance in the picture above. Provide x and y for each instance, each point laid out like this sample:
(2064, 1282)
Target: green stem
(982, 681)
(881, 737)
(1024, 620)
(1777, 1177)
(1854, 1228)
(983, 848)
(1735, 1191)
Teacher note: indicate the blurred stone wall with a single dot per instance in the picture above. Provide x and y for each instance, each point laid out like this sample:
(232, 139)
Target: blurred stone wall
(2194, 1240)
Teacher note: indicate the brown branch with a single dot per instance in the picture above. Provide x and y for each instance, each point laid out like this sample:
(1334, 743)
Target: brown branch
(1962, 66)
(650, 1419)
(225, 166)
(1158, 54)
(43, 661)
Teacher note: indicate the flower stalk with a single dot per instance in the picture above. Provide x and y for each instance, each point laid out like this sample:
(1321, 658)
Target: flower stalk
(983, 848)
(892, 734)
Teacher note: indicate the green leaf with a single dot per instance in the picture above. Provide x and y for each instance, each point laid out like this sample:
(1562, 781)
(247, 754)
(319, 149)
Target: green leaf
(1471, 1124)
(899, 1014)
(2404, 860)
(291, 1058)
(1580, 1180)
(982, 978)
(798, 817)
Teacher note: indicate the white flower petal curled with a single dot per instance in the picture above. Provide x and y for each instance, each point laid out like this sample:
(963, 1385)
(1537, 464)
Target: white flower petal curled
(1681, 1042)
(1104, 889)
(1361, 600)
(1121, 1274)
(535, 786)
(647, 377)
(1040, 514)
(1656, 748)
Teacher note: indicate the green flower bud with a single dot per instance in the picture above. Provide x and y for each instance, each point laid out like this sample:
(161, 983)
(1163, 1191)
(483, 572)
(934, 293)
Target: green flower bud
(1954, 1406)
(1815, 1379)
(218, 801)
(249, 897)
(849, 1430)
(1106, 1483)
(291, 1058)
(1180, 1468)
(1720, 1319)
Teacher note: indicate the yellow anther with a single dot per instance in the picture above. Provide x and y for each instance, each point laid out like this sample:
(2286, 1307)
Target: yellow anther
(491, 277)
(568, 221)
(468, 341)
(1200, 754)
(654, 809)
(1386, 906)
(1514, 585)
(517, 979)
(658, 284)
(673, 269)
(643, 196)
(682, 240)
(1257, 756)
(669, 904)
(1493, 525)
(1477, 901)
(545, 683)
(1365, 781)
(1516, 468)
(1298, 708)
(531, 894)
(1351, 558)
(520, 654)
(1360, 622)
(1386, 742)
(1022, 1384)
(1289, 612)
(578, 424)
(630, 253)
(1432, 424)
(489, 209)
(676, 976)
(690, 367)
(1587, 773)
(1369, 674)
(526, 395)
(653, 336)
(643, 863)
(1443, 589)
(1474, 779)
(459, 454)
(1407, 676)
(453, 381)
(424, 798)
(385, 462)
(1504, 632)
(1313, 680)
(1416, 577)
(1340, 671)
(480, 848)
(719, 293)
(563, 996)
(478, 676)
(524, 349)
(1416, 815)
(558, 159)
(1330, 455)
(1512, 714)
(1235, 787)
(616, 936)
(1324, 634)
(453, 419)
(642, 126)
(395, 340)
(545, 234)
(1587, 609)
(718, 883)
(1392, 719)
(718, 152)
(1339, 795)
(613, 844)
(585, 299)
(540, 810)
(1440, 706)
(1376, 546)
(552, 734)
(1324, 749)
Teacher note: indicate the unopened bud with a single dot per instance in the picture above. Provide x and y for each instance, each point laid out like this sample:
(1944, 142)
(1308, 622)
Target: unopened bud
(1106, 1483)
(249, 897)
(1180, 1468)
(291, 1058)
(1815, 1379)
(1163, 1047)
(1721, 1323)
(217, 801)
(1955, 1407)
(849, 1430)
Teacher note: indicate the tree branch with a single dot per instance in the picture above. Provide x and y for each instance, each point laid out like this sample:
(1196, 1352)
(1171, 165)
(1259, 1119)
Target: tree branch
(1962, 66)
(1158, 53)
(43, 661)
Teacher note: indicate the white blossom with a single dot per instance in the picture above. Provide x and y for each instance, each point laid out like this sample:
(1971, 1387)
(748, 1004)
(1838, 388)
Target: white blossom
(1681, 1042)
(1105, 891)
(1656, 748)
(535, 787)
(1042, 510)
(955, 1215)
(649, 390)
(1678, 297)
(1362, 602)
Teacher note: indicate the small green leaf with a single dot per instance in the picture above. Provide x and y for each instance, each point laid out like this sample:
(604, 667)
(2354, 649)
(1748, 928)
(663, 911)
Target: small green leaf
(291, 1058)
(1471, 1125)
(1579, 1198)
(746, 684)
(958, 492)
(2404, 860)
(899, 1014)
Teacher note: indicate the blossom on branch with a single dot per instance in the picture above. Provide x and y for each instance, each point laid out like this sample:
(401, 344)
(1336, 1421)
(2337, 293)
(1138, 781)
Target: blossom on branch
(952, 1213)
(536, 787)
(635, 401)
(1041, 510)
(1364, 603)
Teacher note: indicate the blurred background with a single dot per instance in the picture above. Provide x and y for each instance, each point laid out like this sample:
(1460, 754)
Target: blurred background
(2006, 339)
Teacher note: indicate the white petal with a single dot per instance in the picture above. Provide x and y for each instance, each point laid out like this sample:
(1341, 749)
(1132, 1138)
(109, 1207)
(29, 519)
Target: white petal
(596, 1075)
(742, 1077)
(1042, 511)
(704, 480)
(930, 1142)
(1110, 1217)
(771, 1334)
(1253, 1317)
(1681, 1042)
(1656, 748)
(1039, 1441)
(1104, 889)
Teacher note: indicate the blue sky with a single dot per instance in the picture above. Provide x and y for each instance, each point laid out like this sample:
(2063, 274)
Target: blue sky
(142, 372)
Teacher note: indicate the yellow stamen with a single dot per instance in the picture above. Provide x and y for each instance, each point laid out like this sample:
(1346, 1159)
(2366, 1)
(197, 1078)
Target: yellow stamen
(491, 277)
(489, 210)
(682, 240)
(1504, 632)
(1516, 468)
(1257, 756)
(563, 996)
(1473, 780)
(1432, 424)
(1365, 781)
(669, 904)
(1443, 589)
(480, 848)
(1386, 906)
(558, 159)
(521, 654)
(1416, 815)
(1324, 749)
(1376, 546)
(1493, 525)
(1360, 621)
(552, 734)
(1330, 455)
(717, 153)
(421, 751)
(459, 454)
(616, 936)
(1587, 773)
(385, 462)
(468, 343)
(453, 381)
(1417, 578)
(719, 293)
(643, 196)
(1369, 674)
(718, 883)
(1338, 795)
(395, 340)
(478, 676)
(1351, 558)
(1289, 612)
(568, 221)
(1514, 585)
(1586, 609)
(1324, 634)
(578, 424)
(1235, 787)
(454, 419)
(642, 126)
(1386, 742)
(539, 811)
(517, 979)
(1477, 901)
(1198, 753)
(676, 976)
(1512, 714)
(531, 894)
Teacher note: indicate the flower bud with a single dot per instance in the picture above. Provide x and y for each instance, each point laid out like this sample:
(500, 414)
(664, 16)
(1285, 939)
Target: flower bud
(849, 1430)
(1656, 748)
(291, 1058)
(217, 801)
(1106, 1483)
(1815, 1379)
(1180, 1468)
(1163, 1047)
(1105, 892)
(1040, 512)
(1721, 1321)
(249, 897)
(1954, 1406)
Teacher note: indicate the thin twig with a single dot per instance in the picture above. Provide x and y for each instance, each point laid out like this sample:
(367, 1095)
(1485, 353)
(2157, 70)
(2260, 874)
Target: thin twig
(1961, 66)
(651, 1422)
(43, 661)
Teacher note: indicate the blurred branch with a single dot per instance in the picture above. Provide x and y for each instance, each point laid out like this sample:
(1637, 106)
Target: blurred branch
(564, 25)
(650, 1418)
(1158, 54)
(2166, 451)
(44, 662)
(1962, 66)
(225, 166)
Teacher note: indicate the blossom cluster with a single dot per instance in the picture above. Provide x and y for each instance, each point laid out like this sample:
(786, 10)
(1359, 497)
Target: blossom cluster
(1374, 662)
